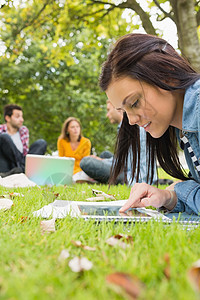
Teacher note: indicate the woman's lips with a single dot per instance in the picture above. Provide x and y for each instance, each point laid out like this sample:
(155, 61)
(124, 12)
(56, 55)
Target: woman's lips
(146, 126)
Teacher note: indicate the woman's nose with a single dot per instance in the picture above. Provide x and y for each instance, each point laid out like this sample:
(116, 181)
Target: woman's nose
(133, 118)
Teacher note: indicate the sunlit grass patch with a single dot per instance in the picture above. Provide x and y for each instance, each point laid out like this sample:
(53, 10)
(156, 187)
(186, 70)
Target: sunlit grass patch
(30, 268)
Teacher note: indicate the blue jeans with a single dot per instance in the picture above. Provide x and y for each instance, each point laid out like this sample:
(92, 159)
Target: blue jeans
(99, 170)
(106, 154)
(11, 157)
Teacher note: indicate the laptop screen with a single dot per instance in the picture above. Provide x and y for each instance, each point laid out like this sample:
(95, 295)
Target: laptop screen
(49, 170)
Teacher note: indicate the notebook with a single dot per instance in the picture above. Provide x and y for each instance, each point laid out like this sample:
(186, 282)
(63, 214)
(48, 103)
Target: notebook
(49, 170)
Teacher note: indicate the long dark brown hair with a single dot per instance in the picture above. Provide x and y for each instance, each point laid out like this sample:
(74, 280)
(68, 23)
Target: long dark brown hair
(152, 60)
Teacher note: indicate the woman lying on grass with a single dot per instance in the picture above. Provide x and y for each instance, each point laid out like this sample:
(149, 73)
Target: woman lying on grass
(158, 90)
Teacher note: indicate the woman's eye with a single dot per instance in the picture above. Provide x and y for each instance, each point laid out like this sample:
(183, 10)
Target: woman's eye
(135, 104)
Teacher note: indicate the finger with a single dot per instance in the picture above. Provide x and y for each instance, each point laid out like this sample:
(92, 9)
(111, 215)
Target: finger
(131, 202)
(133, 189)
(145, 202)
(126, 206)
(134, 200)
(151, 201)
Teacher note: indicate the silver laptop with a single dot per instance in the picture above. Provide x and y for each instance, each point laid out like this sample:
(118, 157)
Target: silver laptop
(49, 170)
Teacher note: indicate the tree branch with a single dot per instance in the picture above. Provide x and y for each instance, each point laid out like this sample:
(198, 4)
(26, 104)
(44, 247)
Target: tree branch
(168, 15)
(27, 24)
(94, 13)
(133, 5)
(102, 2)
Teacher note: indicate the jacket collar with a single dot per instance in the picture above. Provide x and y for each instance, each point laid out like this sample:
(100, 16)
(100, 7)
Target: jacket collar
(191, 108)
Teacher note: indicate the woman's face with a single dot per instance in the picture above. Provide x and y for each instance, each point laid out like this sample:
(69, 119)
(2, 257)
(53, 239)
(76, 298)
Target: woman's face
(74, 129)
(152, 108)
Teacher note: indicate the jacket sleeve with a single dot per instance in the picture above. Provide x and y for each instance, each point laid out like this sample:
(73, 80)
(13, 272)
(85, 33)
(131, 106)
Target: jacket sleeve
(188, 194)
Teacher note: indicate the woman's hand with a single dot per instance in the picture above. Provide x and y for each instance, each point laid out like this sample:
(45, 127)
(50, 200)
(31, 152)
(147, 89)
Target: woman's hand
(143, 194)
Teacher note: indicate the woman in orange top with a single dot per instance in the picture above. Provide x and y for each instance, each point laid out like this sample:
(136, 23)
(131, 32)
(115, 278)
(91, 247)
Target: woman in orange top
(71, 143)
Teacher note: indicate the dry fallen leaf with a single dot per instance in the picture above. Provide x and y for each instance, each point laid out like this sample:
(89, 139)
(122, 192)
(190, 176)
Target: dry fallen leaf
(56, 194)
(127, 283)
(167, 271)
(23, 219)
(79, 244)
(98, 193)
(5, 204)
(85, 247)
(78, 264)
(100, 196)
(64, 254)
(194, 275)
(125, 237)
(76, 243)
(113, 242)
(48, 226)
(13, 195)
(119, 239)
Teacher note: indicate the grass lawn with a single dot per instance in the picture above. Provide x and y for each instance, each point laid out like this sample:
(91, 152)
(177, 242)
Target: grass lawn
(30, 268)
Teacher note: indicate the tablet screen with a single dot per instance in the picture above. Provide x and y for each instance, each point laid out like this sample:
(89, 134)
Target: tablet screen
(89, 210)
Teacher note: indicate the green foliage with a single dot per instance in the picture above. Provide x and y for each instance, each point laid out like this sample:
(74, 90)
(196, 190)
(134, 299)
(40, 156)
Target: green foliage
(54, 52)
(51, 68)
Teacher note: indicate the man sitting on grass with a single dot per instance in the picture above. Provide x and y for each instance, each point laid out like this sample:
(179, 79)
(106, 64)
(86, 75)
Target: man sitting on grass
(14, 141)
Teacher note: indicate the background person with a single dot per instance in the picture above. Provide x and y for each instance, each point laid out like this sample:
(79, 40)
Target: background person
(158, 90)
(14, 142)
(71, 143)
(99, 168)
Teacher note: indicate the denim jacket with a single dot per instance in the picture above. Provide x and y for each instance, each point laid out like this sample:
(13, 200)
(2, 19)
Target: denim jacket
(188, 192)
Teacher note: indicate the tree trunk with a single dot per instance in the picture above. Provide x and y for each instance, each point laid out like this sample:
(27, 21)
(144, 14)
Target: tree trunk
(186, 22)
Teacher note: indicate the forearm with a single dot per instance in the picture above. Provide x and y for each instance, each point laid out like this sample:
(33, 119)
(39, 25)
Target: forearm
(171, 201)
